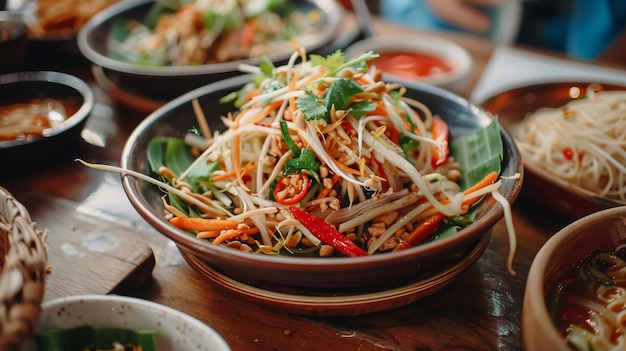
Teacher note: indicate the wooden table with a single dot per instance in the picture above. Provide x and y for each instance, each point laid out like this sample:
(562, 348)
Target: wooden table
(479, 310)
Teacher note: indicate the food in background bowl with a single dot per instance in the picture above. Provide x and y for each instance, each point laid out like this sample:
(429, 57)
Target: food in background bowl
(203, 32)
(574, 298)
(582, 142)
(165, 80)
(62, 18)
(553, 172)
(323, 122)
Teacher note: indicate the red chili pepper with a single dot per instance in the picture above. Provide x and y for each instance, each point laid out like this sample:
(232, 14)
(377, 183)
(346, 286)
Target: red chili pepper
(287, 192)
(327, 233)
(422, 232)
(440, 133)
(568, 153)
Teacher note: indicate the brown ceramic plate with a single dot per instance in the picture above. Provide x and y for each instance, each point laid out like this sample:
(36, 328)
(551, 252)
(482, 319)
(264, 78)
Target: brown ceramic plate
(345, 302)
(540, 187)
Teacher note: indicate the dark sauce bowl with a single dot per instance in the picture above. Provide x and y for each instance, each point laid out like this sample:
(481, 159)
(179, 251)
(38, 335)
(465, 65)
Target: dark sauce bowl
(35, 152)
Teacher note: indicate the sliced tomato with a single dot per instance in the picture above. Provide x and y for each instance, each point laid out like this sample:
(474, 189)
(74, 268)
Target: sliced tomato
(291, 189)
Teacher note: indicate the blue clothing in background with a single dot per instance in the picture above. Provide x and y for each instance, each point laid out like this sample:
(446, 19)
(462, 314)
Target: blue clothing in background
(579, 28)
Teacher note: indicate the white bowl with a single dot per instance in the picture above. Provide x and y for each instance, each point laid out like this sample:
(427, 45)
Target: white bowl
(455, 55)
(174, 330)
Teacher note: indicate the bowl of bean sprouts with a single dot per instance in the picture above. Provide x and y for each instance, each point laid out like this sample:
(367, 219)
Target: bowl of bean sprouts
(576, 287)
(321, 190)
(572, 140)
(162, 49)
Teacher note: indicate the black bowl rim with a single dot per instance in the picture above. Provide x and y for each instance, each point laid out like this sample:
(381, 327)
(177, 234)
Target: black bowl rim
(81, 87)
(182, 238)
(332, 11)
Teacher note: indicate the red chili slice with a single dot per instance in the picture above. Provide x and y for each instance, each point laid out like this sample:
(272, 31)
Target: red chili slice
(291, 189)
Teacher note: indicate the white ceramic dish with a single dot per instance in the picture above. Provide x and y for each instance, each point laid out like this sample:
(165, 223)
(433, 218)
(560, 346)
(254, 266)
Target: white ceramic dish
(452, 53)
(174, 329)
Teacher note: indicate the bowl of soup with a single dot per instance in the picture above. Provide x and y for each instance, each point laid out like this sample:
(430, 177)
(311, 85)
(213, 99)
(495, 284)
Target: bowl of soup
(576, 288)
(417, 58)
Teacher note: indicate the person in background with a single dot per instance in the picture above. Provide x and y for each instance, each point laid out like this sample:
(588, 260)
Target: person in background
(581, 29)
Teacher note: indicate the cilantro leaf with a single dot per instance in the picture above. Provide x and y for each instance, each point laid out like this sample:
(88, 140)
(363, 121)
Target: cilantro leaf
(340, 93)
(331, 61)
(312, 109)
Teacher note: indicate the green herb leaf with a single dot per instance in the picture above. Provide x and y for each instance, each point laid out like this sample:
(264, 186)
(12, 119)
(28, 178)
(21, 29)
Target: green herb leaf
(341, 93)
(360, 108)
(312, 109)
(331, 61)
(478, 153)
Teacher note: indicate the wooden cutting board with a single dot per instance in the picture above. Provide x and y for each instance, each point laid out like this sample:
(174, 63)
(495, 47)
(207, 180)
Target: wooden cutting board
(88, 254)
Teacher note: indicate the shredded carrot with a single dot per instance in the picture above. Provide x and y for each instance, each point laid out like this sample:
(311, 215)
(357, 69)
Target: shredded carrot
(354, 171)
(234, 233)
(247, 34)
(228, 175)
(205, 234)
(489, 179)
(202, 224)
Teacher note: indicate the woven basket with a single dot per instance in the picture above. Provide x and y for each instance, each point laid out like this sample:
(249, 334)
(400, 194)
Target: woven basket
(23, 258)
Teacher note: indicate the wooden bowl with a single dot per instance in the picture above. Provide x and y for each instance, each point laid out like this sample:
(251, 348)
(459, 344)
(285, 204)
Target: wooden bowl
(600, 231)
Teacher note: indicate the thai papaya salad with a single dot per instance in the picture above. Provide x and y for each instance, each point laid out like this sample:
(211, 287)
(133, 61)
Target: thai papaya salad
(196, 32)
(323, 158)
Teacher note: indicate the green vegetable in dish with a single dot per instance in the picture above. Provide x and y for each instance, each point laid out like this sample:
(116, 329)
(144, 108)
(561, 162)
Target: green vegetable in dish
(95, 338)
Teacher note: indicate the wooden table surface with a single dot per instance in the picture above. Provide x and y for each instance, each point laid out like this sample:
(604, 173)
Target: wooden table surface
(99, 244)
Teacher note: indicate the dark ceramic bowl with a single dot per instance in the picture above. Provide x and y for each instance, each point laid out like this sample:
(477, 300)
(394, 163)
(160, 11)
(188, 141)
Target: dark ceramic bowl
(540, 186)
(167, 82)
(174, 118)
(31, 153)
(600, 231)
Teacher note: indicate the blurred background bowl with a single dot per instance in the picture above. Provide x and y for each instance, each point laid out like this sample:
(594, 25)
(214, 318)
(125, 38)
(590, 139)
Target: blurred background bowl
(167, 82)
(25, 154)
(13, 41)
(173, 329)
(600, 231)
(410, 58)
(330, 273)
(540, 186)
